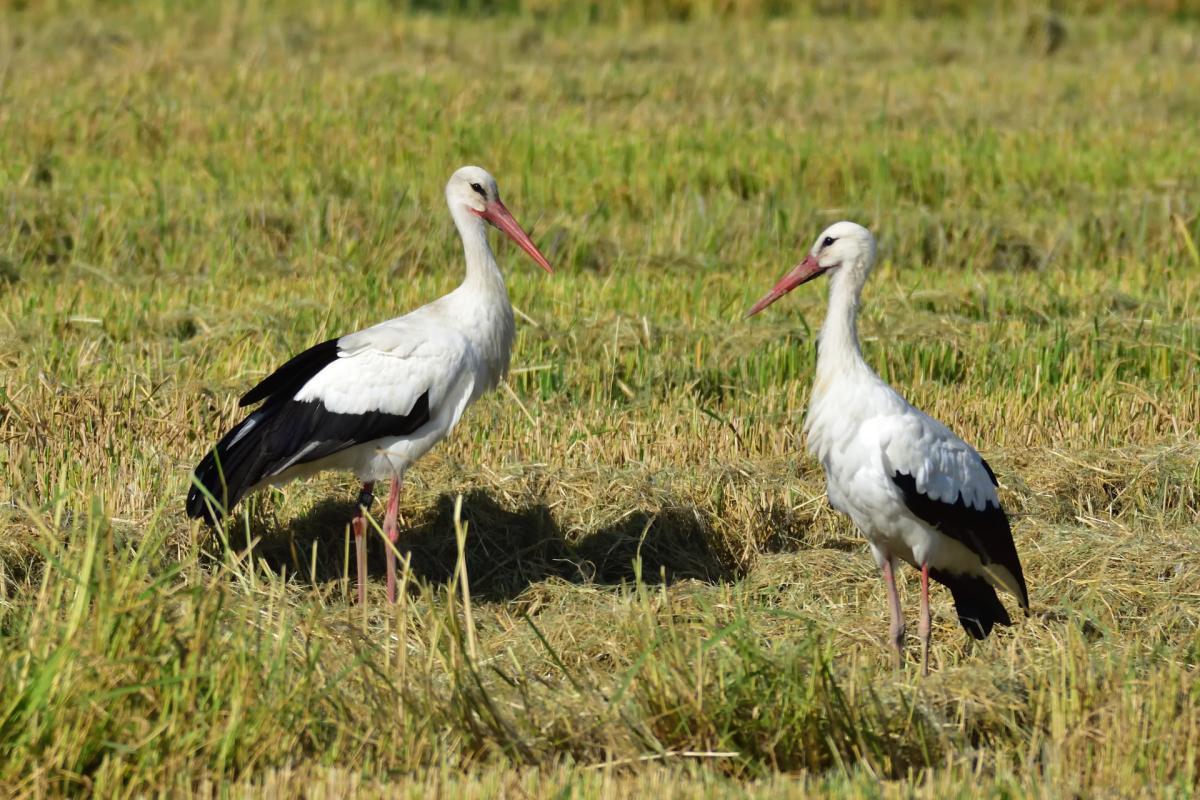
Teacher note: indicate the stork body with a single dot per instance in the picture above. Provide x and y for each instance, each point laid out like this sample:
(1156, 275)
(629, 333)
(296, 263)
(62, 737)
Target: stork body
(915, 491)
(375, 401)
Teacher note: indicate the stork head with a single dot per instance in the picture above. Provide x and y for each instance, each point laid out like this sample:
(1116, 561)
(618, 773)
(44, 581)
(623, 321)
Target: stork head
(474, 190)
(845, 250)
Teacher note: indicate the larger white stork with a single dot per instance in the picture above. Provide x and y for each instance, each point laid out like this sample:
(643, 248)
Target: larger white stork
(375, 401)
(914, 490)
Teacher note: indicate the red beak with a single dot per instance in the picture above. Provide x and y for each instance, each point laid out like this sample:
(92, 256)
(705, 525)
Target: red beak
(498, 215)
(803, 272)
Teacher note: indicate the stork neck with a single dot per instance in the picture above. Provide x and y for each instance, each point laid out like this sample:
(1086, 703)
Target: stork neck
(481, 305)
(838, 349)
(483, 274)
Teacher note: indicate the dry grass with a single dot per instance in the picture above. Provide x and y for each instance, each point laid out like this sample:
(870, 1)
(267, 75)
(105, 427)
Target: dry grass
(660, 600)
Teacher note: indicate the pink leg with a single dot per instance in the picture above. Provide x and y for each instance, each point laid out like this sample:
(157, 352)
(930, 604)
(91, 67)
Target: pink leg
(359, 525)
(924, 626)
(896, 631)
(390, 530)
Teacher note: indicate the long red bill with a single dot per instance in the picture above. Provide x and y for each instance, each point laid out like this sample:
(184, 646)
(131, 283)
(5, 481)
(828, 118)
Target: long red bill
(499, 216)
(803, 272)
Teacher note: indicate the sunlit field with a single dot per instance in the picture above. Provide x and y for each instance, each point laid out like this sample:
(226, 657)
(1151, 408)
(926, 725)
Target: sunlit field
(624, 578)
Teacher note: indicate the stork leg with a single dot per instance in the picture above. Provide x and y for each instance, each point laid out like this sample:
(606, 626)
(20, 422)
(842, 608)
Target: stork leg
(359, 526)
(392, 533)
(896, 631)
(924, 626)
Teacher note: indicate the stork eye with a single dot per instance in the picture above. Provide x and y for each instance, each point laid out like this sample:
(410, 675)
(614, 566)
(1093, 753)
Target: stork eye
(480, 190)
(828, 241)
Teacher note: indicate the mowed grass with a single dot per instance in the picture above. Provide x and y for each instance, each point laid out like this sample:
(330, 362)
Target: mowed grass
(642, 589)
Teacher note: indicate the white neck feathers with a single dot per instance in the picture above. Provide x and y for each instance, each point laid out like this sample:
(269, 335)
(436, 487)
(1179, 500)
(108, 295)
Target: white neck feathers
(843, 378)
(838, 352)
(483, 274)
(481, 306)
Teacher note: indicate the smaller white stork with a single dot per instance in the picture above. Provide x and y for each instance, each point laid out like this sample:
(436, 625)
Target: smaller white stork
(375, 401)
(914, 490)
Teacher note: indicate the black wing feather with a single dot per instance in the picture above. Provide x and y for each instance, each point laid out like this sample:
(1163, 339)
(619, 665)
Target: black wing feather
(986, 533)
(285, 432)
(979, 609)
(297, 371)
(988, 468)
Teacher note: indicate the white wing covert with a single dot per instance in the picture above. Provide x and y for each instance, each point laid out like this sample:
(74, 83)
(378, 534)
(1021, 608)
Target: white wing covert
(944, 467)
(948, 486)
(389, 380)
(389, 367)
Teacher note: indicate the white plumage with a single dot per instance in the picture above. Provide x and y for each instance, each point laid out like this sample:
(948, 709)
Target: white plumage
(375, 401)
(913, 489)
(388, 367)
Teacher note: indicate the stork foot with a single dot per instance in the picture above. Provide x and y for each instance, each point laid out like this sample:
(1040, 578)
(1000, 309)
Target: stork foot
(896, 634)
(896, 630)
(925, 626)
(359, 525)
(392, 532)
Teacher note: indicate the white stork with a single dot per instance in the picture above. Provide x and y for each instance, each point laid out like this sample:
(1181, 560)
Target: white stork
(375, 401)
(914, 490)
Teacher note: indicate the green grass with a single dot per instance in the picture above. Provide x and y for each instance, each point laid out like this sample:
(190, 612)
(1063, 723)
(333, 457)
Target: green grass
(659, 598)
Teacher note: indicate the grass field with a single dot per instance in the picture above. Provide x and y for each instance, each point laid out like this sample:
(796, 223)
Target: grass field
(652, 594)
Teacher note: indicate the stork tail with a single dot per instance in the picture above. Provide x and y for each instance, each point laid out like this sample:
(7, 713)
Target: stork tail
(229, 470)
(979, 609)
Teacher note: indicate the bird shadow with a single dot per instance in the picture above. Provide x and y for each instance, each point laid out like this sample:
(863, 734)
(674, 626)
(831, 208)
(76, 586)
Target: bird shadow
(506, 550)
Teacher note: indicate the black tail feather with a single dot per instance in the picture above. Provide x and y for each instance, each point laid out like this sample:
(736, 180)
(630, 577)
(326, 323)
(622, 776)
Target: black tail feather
(236, 464)
(229, 470)
(299, 369)
(975, 600)
(283, 434)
